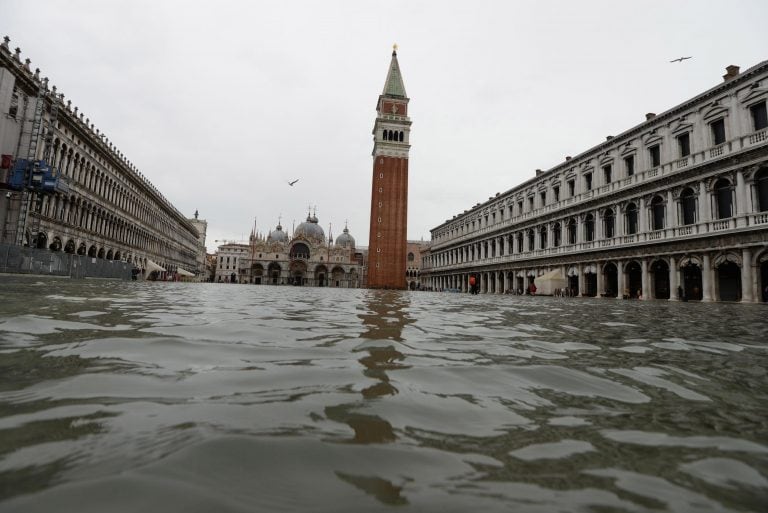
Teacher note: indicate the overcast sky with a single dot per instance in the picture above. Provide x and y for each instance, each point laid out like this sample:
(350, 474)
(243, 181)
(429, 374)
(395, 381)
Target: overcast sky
(221, 103)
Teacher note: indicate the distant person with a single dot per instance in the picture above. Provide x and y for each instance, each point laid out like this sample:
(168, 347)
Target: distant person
(639, 294)
(681, 294)
(472, 285)
(532, 289)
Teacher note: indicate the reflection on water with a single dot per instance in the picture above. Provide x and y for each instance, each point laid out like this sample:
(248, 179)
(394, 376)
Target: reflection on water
(211, 397)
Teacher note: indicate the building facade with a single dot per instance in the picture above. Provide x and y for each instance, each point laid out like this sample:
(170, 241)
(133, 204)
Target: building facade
(304, 258)
(413, 263)
(66, 187)
(387, 244)
(674, 208)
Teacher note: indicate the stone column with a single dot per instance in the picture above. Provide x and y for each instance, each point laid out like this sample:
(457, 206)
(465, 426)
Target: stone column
(674, 280)
(646, 292)
(671, 220)
(741, 201)
(620, 281)
(642, 217)
(747, 285)
(703, 204)
(600, 286)
(580, 270)
(706, 278)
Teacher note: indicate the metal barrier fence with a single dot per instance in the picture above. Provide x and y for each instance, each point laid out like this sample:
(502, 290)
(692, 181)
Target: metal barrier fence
(25, 260)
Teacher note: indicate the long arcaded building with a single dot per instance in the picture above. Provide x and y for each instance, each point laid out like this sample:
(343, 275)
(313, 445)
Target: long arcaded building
(88, 198)
(674, 208)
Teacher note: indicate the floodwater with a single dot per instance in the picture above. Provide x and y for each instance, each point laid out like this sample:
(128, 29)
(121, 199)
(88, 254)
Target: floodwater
(125, 396)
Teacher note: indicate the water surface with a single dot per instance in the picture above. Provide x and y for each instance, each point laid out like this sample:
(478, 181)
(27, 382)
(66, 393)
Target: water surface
(124, 396)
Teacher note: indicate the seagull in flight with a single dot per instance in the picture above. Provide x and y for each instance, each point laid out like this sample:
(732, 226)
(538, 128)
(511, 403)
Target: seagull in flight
(680, 59)
(293, 182)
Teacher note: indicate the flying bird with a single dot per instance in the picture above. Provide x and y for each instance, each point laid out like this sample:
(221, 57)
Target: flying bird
(293, 182)
(680, 59)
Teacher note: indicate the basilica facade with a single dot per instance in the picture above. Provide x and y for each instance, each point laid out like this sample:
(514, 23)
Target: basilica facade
(304, 258)
(673, 208)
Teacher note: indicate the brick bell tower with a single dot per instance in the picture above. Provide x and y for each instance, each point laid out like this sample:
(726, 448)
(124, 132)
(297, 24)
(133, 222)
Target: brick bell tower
(389, 189)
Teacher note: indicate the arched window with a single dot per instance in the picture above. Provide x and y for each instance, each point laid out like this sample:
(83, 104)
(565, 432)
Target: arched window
(688, 206)
(631, 219)
(384, 134)
(657, 206)
(571, 231)
(608, 221)
(724, 197)
(520, 242)
(589, 228)
(543, 237)
(556, 235)
(761, 182)
(401, 136)
(531, 237)
(390, 136)
(410, 257)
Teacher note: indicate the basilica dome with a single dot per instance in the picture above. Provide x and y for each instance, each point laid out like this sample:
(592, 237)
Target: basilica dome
(277, 235)
(345, 239)
(309, 229)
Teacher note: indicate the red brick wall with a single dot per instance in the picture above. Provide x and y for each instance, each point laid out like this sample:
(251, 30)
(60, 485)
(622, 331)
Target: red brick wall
(387, 245)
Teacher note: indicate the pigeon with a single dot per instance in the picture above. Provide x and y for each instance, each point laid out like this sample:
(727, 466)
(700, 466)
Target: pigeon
(681, 59)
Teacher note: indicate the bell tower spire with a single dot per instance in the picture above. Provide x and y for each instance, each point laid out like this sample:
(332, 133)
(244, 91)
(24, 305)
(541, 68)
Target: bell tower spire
(387, 245)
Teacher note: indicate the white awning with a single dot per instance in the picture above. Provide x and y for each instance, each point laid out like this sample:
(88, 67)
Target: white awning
(151, 266)
(182, 272)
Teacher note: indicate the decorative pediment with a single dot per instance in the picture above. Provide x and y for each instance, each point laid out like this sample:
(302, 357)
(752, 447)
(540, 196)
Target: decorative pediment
(628, 150)
(652, 139)
(754, 95)
(715, 111)
(681, 127)
(606, 160)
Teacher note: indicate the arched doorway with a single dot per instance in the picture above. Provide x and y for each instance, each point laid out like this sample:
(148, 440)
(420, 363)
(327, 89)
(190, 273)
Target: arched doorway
(692, 281)
(101, 253)
(729, 281)
(273, 272)
(611, 280)
(764, 279)
(55, 245)
(298, 273)
(109, 255)
(660, 271)
(634, 279)
(41, 240)
(573, 281)
(82, 250)
(257, 271)
(321, 275)
(92, 251)
(337, 277)
(69, 247)
(590, 281)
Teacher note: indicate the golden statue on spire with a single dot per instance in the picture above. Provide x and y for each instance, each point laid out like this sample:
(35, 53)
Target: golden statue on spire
(394, 47)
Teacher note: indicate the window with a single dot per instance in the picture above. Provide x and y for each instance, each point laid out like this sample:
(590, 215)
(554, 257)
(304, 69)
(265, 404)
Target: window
(718, 132)
(684, 143)
(657, 207)
(688, 206)
(571, 231)
(519, 242)
(556, 235)
(588, 181)
(629, 165)
(724, 198)
(589, 227)
(530, 203)
(631, 219)
(411, 257)
(543, 196)
(556, 192)
(531, 237)
(543, 237)
(761, 182)
(607, 173)
(571, 188)
(655, 154)
(520, 208)
(608, 220)
(759, 116)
